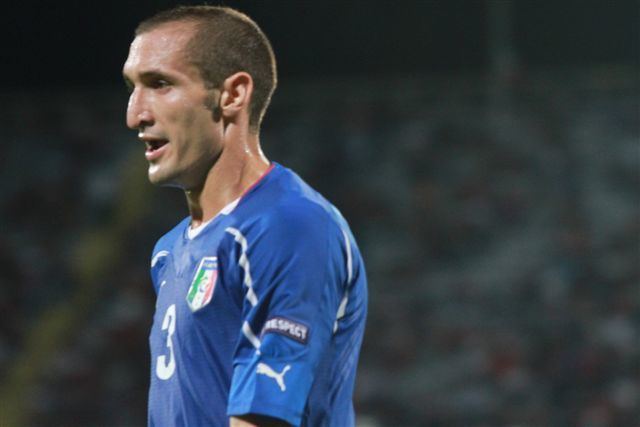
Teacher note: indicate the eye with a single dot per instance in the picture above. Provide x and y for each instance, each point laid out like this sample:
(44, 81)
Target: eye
(128, 85)
(159, 83)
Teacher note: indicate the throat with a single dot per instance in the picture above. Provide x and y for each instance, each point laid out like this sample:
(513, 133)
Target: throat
(194, 229)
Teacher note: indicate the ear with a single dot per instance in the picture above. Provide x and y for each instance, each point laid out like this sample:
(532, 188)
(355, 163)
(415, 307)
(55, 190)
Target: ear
(237, 91)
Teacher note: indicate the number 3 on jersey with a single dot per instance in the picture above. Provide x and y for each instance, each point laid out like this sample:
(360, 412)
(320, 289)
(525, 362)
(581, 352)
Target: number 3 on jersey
(164, 370)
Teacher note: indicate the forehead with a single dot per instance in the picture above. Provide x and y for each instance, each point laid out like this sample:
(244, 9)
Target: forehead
(162, 48)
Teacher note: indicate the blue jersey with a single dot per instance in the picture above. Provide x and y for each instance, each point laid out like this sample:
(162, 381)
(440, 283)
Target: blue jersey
(262, 312)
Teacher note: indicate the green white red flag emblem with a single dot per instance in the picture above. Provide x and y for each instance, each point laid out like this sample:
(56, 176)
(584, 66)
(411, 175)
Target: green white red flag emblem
(204, 282)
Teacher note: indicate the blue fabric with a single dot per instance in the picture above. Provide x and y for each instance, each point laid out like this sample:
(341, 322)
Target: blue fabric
(267, 340)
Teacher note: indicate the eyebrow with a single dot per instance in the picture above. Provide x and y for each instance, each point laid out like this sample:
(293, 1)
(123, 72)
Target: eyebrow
(153, 74)
(146, 75)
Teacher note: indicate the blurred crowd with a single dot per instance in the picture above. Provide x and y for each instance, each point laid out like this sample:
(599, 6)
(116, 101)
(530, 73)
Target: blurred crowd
(500, 228)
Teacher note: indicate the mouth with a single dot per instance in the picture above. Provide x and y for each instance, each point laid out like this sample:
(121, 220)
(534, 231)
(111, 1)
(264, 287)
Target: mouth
(155, 144)
(155, 147)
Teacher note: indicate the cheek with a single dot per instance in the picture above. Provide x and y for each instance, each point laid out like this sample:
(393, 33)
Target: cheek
(179, 114)
(189, 122)
(196, 132)
(186, 115)
(199, 121)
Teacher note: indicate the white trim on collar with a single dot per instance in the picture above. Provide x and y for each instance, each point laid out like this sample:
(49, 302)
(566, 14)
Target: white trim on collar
(193, 232)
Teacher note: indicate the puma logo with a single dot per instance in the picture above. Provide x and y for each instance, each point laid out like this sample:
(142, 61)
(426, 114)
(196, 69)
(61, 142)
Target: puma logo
(265, 369)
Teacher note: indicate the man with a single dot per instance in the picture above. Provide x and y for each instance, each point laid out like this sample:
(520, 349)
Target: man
(261, 291)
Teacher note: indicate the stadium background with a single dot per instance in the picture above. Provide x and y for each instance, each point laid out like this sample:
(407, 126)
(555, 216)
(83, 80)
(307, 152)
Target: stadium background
(486, 154)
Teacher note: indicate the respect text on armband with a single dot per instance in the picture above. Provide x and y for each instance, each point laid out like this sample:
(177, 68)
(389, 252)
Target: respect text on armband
(286, 327)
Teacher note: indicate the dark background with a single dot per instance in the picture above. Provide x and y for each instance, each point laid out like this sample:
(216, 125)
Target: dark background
(58, 44)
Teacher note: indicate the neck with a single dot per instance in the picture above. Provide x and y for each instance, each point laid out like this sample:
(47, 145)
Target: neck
(237, 168)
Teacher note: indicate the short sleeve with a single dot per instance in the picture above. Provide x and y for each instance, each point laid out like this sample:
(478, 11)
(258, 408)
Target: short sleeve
(291, 266)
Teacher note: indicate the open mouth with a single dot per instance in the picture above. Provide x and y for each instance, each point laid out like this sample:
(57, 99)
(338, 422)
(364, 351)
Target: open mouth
(155, 148)
(155, 144)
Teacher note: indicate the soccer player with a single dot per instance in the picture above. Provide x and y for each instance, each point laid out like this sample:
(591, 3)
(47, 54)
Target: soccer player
(261, 290)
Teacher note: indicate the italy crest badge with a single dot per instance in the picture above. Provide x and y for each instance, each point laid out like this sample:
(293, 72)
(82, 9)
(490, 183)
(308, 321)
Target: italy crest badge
(204, 282)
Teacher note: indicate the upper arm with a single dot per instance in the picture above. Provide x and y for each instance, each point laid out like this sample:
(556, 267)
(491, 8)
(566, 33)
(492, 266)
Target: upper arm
(293, 295)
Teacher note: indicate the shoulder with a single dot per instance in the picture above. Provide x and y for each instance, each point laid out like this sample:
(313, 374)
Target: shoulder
(289, 212)
(294, 216)
(296, 212)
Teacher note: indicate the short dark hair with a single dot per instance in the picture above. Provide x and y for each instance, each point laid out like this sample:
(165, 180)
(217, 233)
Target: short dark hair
(225, 42)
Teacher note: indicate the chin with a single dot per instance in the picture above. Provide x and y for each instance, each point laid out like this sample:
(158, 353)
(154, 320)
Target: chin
(157, 177)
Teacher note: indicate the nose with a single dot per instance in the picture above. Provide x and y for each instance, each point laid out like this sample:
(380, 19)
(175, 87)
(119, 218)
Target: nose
(138, 112)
